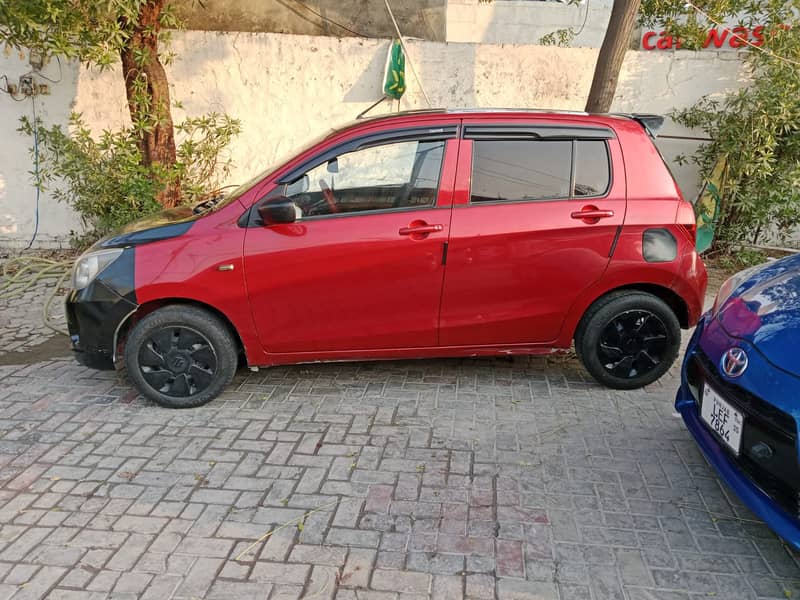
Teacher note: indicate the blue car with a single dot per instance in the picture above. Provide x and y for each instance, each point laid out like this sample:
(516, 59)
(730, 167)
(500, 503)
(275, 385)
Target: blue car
(740, 391)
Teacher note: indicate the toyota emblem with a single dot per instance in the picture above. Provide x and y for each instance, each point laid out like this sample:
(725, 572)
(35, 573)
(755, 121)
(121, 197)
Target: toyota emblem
(734, 362)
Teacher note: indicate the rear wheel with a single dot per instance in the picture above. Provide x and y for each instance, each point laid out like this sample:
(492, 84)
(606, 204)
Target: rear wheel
(180, 356)
(628, 339)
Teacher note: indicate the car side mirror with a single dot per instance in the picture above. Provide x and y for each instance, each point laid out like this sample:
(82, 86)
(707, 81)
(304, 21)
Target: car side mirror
(279, 212)
(333, 165)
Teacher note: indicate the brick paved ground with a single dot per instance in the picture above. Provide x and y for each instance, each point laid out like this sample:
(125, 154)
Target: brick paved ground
(441, 479)
(486, 479)
(22, 325)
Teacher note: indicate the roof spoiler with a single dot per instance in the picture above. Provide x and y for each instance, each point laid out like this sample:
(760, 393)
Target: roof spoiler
(651, 123)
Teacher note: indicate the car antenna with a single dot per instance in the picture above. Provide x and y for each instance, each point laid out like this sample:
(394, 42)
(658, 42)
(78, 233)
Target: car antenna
(370, 107)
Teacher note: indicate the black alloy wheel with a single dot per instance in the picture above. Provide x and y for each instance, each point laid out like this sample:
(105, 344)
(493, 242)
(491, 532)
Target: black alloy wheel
(633, 343)
(181, 356)
(178, 361)
(628, 339)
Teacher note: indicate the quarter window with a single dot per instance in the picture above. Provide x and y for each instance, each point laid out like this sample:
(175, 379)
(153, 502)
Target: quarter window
(388, 176)
(592, 175)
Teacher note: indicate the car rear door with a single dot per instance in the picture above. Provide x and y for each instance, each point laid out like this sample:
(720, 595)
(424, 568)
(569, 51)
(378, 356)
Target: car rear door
(363, 268)
(537, 209)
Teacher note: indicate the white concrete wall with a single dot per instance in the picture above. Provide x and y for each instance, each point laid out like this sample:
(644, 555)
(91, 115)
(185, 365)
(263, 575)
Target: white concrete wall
(526, 21)
(287, 89)
(17, 190)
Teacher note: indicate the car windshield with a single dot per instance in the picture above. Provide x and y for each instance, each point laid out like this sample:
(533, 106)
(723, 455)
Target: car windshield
(224, 199)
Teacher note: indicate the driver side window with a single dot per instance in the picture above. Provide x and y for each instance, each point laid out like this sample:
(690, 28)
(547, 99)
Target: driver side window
(388, 176)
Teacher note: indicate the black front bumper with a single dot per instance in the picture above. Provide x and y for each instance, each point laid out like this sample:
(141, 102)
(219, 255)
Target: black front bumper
(95, 313)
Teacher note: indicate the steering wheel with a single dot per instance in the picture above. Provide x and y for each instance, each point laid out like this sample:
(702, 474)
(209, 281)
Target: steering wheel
(327, 193)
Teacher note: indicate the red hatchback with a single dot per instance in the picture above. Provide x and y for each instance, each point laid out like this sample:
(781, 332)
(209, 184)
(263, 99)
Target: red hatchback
(415, 235)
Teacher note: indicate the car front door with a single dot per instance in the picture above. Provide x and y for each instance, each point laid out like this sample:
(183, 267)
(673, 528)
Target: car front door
(362, 268)
(537, 209)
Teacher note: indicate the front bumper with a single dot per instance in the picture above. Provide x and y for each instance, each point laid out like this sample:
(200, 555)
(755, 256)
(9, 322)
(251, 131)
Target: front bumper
(95, 313)
(752, 495)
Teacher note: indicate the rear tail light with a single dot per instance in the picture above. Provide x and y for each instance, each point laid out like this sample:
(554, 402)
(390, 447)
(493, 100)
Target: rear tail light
(686, 221)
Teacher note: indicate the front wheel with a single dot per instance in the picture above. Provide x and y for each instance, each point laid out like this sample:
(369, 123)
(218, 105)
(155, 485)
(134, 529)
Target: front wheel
(180, 356)
(628, 339)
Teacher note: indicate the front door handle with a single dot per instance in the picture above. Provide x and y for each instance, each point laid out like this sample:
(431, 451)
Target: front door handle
(592, 214)
(420, 229)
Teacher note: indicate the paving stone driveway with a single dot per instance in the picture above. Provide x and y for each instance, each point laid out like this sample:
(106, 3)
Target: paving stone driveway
(444, 478)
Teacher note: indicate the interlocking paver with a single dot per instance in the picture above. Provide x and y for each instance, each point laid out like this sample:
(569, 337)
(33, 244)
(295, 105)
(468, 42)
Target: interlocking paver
(488, 479)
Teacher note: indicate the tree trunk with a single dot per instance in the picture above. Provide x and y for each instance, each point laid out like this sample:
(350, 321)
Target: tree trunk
(612, 53)
(147, 90)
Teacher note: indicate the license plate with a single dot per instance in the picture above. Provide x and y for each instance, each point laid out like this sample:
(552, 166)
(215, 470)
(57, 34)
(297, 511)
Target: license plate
(724, 420)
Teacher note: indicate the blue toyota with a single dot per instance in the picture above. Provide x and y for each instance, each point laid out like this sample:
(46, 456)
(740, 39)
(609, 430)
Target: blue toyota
(740, 390)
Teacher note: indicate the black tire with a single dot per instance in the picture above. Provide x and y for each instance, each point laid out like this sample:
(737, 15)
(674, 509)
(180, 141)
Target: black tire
(628, 339)
(180, 356)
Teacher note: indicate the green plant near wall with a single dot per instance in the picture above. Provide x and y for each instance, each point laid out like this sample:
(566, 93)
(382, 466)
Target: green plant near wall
(129, 172)
(104, 178)
(757, 127)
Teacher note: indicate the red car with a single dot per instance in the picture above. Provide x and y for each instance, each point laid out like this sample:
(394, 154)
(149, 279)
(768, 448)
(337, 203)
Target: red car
(415, 235)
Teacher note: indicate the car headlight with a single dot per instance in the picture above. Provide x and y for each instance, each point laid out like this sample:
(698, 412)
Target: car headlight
(726, 289)
(91, 264)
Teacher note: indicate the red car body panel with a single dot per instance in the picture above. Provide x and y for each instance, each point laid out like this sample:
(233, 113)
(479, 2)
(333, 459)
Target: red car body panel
(514, 278)
(313, 288)
(504, 258)
(186, 268)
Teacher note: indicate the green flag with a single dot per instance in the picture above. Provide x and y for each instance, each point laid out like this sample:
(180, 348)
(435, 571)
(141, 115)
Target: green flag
(395, 84)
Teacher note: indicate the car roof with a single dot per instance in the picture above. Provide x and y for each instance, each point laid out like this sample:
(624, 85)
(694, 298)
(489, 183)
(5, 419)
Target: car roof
(468, 111)
(649, 122)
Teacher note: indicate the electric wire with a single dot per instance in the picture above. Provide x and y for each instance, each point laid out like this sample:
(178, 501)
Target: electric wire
(585, 17)
(38, 181)
(5, 90)
(331, 21)
(60, 73)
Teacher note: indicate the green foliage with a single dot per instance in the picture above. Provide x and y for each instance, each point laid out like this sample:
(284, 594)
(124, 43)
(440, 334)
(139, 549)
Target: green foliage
(758, 127)
(105, 180)
(131, 172)
(742, 259)
(202, 160)
(92, 31)
(559, 37)
(563, 37)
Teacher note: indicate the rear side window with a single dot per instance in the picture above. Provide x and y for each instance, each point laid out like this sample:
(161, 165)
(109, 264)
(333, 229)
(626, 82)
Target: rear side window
(514, 170)
(529, 170)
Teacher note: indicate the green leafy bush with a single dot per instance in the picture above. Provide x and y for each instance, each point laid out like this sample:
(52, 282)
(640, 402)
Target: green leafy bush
(104, 178)
(758, 129)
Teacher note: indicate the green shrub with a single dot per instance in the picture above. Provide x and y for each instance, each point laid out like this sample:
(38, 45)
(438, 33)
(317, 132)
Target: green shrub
(104, 178)
(758, 130)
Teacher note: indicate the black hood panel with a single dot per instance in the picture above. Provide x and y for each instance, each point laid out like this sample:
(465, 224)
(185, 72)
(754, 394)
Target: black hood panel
(163, 225)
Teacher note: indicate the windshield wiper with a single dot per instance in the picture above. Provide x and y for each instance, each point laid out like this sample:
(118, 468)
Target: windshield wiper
(207, 204)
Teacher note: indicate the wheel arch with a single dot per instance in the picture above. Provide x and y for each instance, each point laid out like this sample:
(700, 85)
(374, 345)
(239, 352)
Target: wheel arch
(677, 304)
(144, 309)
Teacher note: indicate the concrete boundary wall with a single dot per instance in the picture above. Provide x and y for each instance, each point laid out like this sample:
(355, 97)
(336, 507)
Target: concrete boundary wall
(287, 89)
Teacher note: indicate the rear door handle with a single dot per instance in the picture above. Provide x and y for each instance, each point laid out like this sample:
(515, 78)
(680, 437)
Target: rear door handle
(420, 229)
(592, 214)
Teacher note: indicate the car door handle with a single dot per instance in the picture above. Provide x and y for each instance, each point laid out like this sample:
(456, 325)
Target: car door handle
(592, 213)
(420, 229)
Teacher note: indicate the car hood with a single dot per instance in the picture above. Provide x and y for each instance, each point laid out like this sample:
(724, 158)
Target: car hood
(168, 223)
(764, 310)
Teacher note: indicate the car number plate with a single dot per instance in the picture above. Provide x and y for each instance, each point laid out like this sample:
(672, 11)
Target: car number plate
(724, 420)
